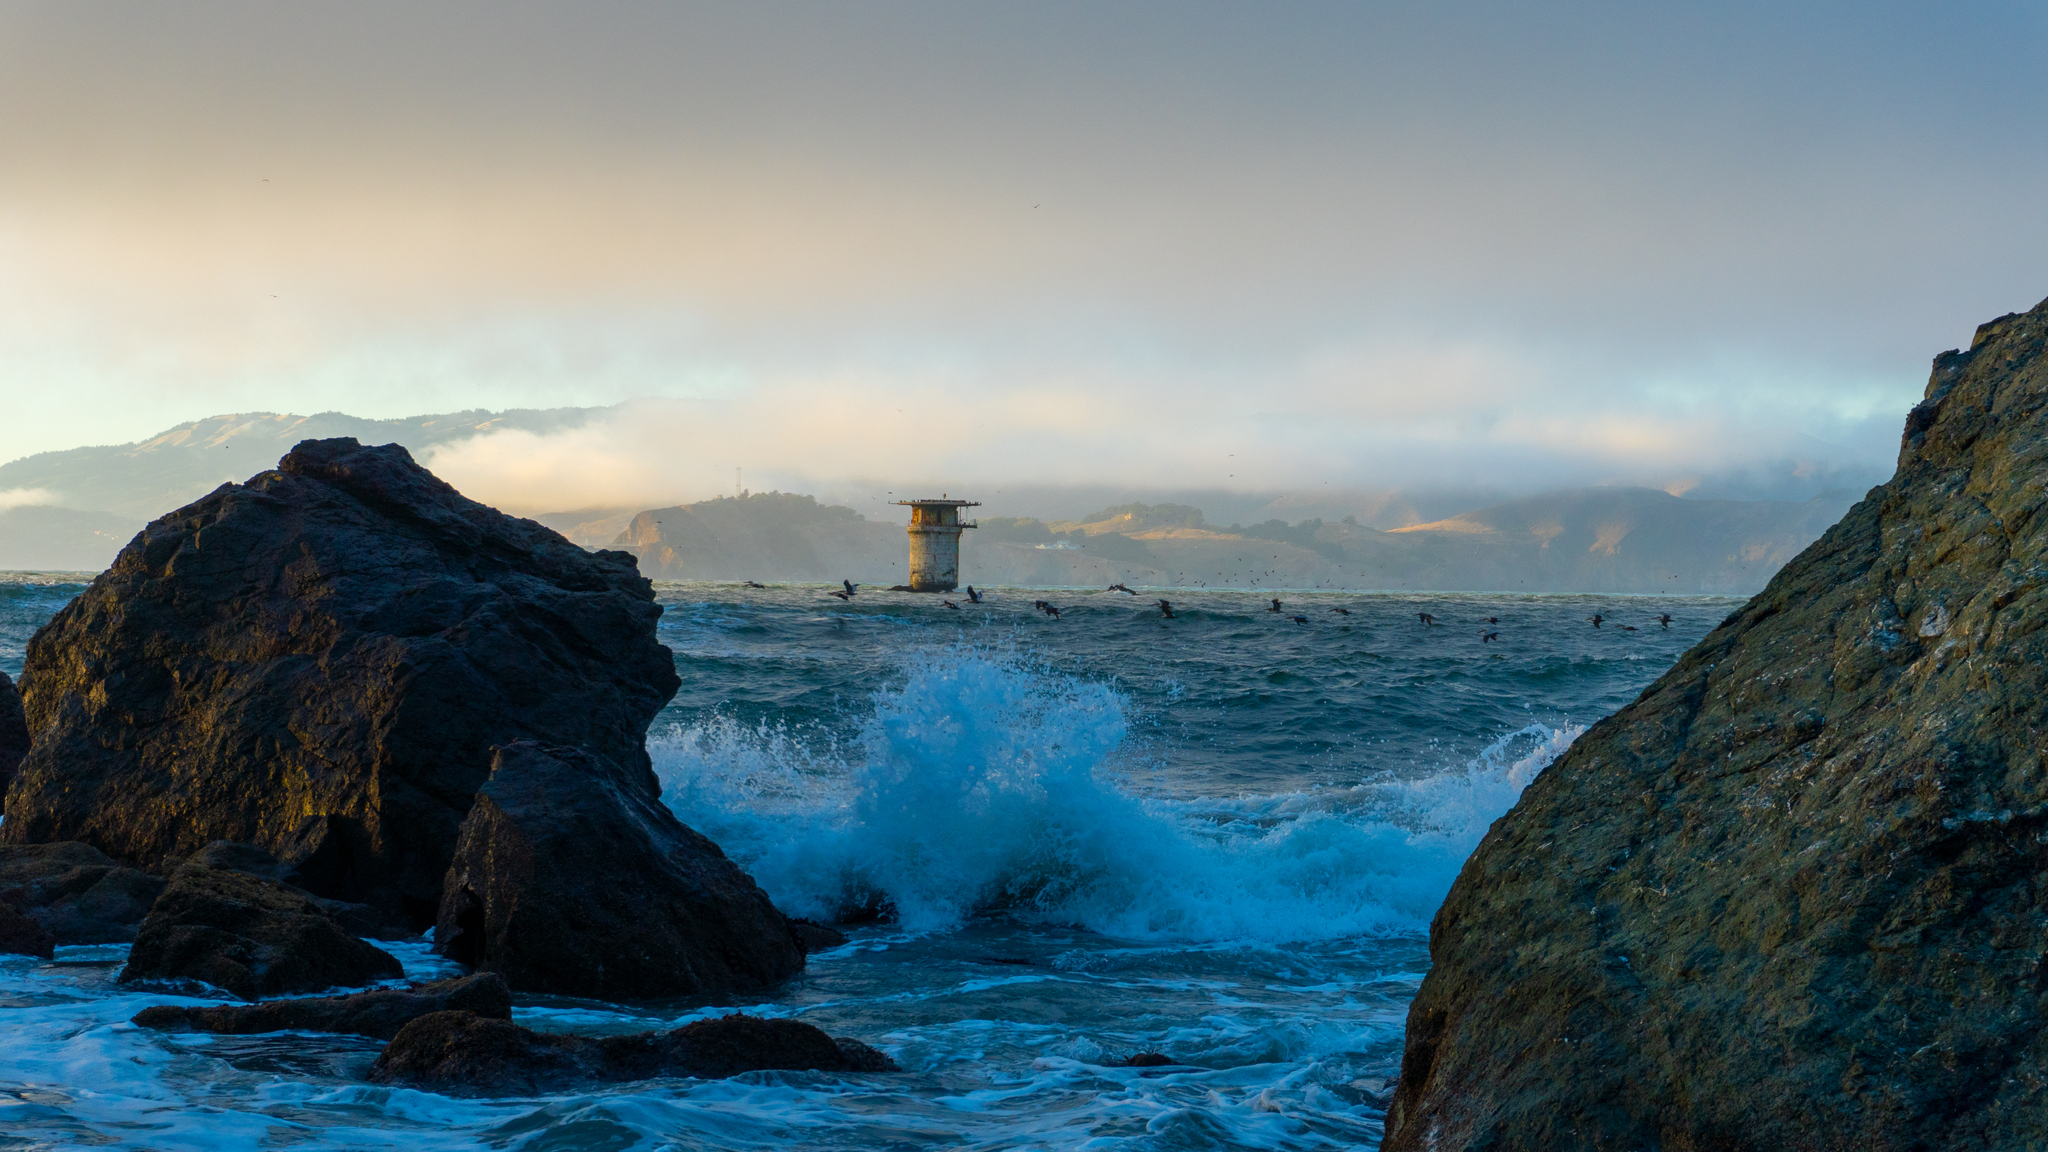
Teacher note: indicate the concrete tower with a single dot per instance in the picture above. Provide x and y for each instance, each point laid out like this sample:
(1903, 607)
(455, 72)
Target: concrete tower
(935, 529)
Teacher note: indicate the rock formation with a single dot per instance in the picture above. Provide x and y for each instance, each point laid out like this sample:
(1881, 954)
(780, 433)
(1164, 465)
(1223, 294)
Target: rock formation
(250, 936)
(364, 920)
(379, 1013)
(463, 1053)
(13, 734)
(318, 662)
(21, 936)
(75, 892)
(1793, 896)
(570, 878)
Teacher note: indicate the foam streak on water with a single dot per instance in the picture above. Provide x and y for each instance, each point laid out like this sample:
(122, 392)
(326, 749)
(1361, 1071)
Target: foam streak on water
(1219, 837)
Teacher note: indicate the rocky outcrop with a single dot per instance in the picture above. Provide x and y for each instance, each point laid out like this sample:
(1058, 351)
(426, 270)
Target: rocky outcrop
(365, 920)
(13, 734)
(461, 1053)
(572, 879)
(1794, 896)
(318, 662)
(379, 1013)
(21, 936)
(75, 892)
(250, 936)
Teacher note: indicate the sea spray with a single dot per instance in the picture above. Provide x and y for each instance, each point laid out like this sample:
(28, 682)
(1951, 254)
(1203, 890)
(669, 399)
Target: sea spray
(983, 783)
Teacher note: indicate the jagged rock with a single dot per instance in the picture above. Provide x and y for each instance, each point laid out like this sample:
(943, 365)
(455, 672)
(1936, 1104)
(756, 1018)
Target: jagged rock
(318, 662)
(21, 936)
(14, 739)
(1793, 896)
(571, 879)
(251, 936)
(463, 1053)
(379, 1013)
(75, 892)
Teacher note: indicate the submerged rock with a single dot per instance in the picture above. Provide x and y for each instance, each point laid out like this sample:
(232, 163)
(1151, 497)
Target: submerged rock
(21, 936)
(318, 662)
(1794, 896)
(572, 879)
(379, 1013)
(14, 739)
(75, 892)
(463, 1053)
(250, 936)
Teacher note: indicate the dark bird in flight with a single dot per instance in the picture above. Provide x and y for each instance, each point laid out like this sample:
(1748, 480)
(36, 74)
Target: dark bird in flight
(1299, 619)
(755, 584)
(1345, 611)
(1665, 620)
(1051, 611)
(950, 604)
(1493, 619)
(851, 587)
(1488, 637)
(1166, 609)
(1425, 617)
(841, 595)
(1276, 605)
(1628, 627)
(973, 595)
(1596, 618)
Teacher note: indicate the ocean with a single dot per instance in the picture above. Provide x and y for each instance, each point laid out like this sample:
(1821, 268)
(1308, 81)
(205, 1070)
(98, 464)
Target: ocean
(1220, 837)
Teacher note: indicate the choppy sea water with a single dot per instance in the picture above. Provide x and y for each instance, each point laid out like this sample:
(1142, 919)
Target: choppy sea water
(1220, 837)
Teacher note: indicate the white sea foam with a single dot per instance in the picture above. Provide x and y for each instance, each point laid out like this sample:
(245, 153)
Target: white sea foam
(981, 782)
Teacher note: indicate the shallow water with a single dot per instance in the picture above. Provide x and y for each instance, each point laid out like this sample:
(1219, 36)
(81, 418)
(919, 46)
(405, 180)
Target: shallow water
(1220, 837)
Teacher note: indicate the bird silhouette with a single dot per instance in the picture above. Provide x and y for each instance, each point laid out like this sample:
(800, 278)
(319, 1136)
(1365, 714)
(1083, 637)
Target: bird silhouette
(1493, 619)
(1488, 637)
(1628, 627)
(1299, 619)
(948, 603)
(1425, 617)
(842, 595)
(1665, 620)
(755, 584)
(1596, 618)
(1345, 611)
(851, 587)
(1276, 605)
(971, 593)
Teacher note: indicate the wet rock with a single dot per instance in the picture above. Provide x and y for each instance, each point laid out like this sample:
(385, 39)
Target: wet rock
(14, 739)
(318, 662)
(21, 936)
(75, 892)
(814, 937)
(379, 1013)
(1150, 1060)
(1793, 896)
(571, 879)
(461, 1053)
(251, 936)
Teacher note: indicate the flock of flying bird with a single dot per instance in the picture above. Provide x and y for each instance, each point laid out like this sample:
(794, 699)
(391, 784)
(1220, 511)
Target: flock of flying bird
(1166, 609)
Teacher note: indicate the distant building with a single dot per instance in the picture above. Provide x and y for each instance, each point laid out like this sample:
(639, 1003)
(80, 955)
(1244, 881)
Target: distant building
(935, 529)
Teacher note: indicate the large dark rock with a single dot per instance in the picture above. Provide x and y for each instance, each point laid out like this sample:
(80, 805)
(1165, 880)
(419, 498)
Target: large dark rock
(1796, 894)
(75, 892)
(572, 879)
(250, 936)
(21, 936)
(318, 662)
(356, 919)
(380, 1013)
(461, 1053)
(14, 739)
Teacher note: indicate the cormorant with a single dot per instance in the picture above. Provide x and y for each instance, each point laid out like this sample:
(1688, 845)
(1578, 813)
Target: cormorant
(851, 587)
(755, 584)
(1425, 617)
(1665, 620)
(841, 595)
(1119, 587)
(1166, 609)
(1276, 605)
(950, 604)
(1596, 618)
(973, 595)
(1345, 611)
(1488, 637)
(1299, 619)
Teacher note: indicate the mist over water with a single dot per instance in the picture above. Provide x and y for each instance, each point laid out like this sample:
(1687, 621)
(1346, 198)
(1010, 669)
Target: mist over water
(1220, 837)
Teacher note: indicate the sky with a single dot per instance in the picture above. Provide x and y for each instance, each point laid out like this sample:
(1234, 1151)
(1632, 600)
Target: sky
(1514, 245)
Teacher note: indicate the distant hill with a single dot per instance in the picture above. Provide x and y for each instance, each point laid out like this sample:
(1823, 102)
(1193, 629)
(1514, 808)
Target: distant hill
(95, 499)
(1583, 540)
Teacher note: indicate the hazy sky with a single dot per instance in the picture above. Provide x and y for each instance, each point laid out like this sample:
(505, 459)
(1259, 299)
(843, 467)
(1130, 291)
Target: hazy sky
(1232, 245)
